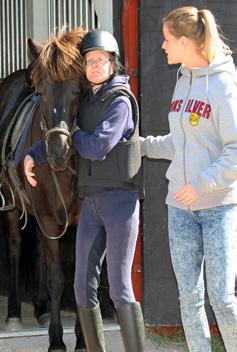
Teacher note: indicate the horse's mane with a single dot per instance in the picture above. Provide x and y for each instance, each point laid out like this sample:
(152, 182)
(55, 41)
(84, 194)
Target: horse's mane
(60, 58)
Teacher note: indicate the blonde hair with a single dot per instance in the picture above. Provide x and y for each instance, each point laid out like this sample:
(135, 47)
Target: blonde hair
(201, 27)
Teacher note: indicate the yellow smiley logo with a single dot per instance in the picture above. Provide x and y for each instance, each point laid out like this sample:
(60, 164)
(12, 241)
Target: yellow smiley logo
(194, 118)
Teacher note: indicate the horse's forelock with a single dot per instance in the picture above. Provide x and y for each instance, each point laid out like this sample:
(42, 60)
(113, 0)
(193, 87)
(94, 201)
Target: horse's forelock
(60, 58)
(74, 36)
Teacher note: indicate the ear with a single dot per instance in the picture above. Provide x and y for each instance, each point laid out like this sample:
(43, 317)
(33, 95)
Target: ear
(34, 47)
(183, 42)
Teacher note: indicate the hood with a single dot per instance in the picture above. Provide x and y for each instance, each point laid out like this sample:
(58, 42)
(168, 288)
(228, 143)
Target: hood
(118, 80)
(221, 63)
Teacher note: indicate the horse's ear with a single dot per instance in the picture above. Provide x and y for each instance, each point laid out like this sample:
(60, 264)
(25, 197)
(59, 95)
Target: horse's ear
(34, 47)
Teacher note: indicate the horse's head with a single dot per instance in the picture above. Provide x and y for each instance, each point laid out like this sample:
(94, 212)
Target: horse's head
(58, 105)
(57, 74)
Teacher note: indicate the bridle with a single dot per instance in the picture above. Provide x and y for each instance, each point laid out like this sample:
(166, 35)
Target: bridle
(46, 133)
(59, 130)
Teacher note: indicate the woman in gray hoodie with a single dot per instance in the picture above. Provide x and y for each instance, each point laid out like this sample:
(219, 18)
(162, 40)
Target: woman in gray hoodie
(202, 191)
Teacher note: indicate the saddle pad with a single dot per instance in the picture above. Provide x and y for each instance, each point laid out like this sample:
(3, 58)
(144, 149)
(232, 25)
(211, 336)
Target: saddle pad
(21, 128)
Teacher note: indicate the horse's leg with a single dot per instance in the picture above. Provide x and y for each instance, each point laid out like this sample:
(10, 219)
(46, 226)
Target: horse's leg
(41, 297)
(12, 228)
(55, 281)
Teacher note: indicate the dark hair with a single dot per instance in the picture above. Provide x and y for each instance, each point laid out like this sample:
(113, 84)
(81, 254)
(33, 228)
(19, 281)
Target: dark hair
(118, 67)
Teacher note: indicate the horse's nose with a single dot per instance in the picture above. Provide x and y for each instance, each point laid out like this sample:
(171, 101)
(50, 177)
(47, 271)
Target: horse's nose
(58, 164)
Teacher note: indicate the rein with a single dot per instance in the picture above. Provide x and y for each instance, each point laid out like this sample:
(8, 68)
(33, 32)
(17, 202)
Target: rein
(47, 132)
(42, 228)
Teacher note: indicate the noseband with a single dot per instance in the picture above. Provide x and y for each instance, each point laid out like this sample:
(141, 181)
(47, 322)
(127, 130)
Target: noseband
(47, 132)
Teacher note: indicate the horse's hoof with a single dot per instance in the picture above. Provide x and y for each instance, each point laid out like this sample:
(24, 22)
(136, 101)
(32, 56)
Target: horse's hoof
(44, 320)
(80, 347)
(13, 324)
(61, 349)
(57, 348)
(80, 344)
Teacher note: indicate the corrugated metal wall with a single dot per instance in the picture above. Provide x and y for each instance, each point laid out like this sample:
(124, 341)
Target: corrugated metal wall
(17, 23)
(13, 31)
(71, 12)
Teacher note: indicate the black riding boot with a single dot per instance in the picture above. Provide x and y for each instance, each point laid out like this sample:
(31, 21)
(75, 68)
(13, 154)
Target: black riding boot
(132, 327)
(92, 327)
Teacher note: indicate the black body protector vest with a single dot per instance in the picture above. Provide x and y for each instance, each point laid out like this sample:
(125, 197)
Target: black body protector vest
(122, 166)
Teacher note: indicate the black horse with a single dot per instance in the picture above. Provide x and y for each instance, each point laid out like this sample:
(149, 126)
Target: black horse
(48, 111)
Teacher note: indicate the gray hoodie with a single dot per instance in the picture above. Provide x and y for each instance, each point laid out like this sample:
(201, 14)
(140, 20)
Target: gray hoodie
(202, 144)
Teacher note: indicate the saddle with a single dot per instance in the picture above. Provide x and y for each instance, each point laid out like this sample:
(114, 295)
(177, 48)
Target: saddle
(17, 118)
(17, 130)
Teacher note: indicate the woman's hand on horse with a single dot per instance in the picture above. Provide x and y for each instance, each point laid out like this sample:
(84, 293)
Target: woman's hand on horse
(28, 166)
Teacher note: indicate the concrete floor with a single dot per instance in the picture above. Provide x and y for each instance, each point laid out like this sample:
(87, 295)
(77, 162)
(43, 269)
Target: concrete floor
(40, 344)
(32, 338)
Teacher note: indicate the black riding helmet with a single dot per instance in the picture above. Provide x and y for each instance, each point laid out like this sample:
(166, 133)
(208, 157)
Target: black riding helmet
(98, 39)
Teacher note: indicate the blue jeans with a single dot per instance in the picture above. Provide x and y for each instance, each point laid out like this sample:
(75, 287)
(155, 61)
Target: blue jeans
(210, 235)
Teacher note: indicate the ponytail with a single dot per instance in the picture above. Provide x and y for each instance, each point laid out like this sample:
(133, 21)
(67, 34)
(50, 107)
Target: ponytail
(213, 43)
